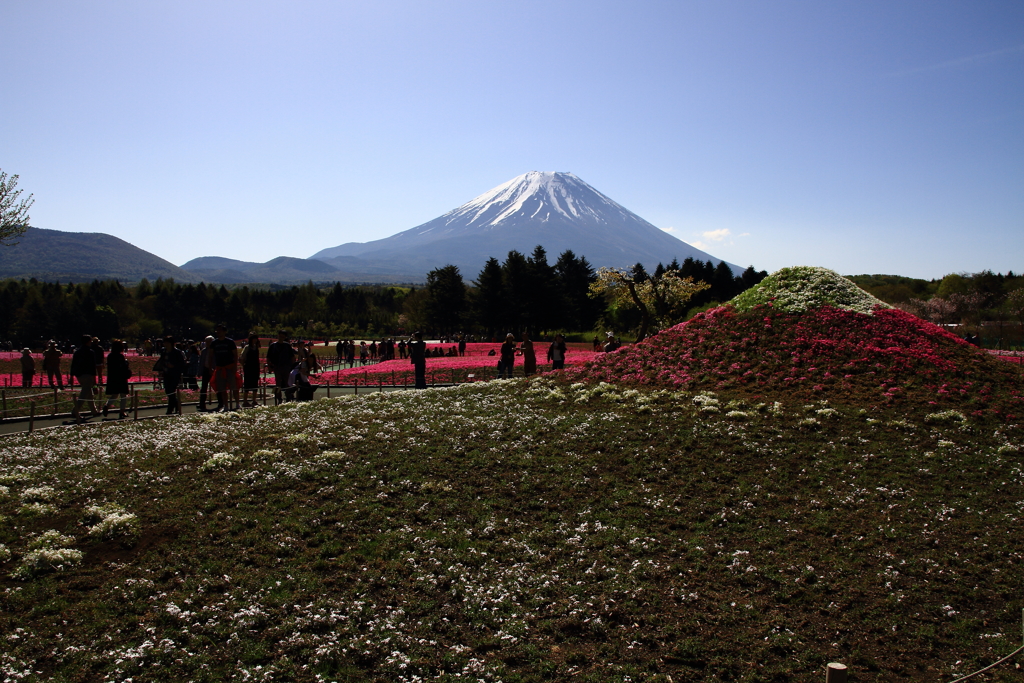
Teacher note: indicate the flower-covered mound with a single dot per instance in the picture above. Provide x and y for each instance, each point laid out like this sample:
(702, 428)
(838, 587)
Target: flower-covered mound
(821, 353)
(802, 288)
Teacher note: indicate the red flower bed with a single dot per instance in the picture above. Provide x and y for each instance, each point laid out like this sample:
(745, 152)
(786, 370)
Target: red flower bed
(10, 368)
(824, 352)
(448, 368)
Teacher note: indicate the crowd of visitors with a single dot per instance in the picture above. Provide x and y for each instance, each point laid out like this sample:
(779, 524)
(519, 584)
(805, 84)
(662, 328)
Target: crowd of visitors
(218, 369)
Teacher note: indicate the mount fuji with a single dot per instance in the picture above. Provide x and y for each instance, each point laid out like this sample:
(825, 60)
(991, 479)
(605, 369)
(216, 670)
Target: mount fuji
(556, 210)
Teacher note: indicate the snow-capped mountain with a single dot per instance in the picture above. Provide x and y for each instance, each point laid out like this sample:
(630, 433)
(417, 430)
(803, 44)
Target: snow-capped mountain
(556, 210)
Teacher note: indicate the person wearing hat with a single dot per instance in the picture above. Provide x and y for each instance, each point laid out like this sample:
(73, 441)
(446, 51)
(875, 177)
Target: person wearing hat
(28, 367)
(418, 354)
(610, 344)
(51, 363)
(507, 363)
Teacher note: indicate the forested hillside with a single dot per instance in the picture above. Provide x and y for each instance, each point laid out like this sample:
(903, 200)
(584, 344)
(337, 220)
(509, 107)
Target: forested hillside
(520, 293)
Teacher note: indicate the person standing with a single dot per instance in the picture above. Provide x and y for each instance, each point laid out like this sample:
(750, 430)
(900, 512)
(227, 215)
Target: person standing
(97, 349)
(251, 370)
(51, 363)
(28, 367)
(83, 368)
(418, 354)
(205, 368)
(529, 356)
(462, 344)
(280, 361)
(224, 360)
(556, 353)
(174, 368)
(192, 370)
(507, 361)
(118, 374)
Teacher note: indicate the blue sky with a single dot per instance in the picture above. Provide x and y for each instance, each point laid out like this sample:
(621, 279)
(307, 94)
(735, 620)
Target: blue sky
(867, 137)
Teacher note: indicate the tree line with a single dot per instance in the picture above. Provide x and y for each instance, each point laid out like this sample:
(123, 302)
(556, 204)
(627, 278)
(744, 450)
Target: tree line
(520, 293)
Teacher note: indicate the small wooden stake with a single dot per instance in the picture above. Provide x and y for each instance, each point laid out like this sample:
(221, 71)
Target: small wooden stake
(135, 405)
(31, 416)
(835, 673)
(54, 411)
(5, 403)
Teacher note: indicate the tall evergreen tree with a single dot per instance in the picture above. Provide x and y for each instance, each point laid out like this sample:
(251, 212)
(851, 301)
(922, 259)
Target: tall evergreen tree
(489, 297)
(542, 292)
(722, 283)
(579, 310)
(445, 305)
(515, 286)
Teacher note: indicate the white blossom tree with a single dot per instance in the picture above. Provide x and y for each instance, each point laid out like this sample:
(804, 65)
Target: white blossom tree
(14, 219)
(659, 298)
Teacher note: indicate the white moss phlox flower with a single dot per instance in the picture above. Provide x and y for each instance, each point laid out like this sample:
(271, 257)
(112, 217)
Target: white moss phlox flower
(802, 288)
(38, 494)
(218, 460)
(111, 521)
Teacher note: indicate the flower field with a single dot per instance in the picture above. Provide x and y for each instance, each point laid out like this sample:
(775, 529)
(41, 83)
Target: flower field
(745, 497)
(516, 531)
(10, 368)
(447, 369)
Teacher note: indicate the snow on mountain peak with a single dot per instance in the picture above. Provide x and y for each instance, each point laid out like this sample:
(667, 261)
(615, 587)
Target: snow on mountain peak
(539, 195)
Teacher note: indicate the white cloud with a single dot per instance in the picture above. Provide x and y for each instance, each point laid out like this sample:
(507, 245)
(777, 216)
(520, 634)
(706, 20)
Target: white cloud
(669, 229)
(716, 235)
(700, 245)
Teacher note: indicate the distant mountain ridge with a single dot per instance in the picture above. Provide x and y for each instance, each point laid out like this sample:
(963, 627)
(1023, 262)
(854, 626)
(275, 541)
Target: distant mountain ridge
(557, 210)
(54, 255)
(283, 270)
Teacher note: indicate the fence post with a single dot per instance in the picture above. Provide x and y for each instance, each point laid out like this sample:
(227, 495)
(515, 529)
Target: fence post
(5, 402)
(135, 405)
(835, 673)
(31, 416)
(328, 388)
(54, 411)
